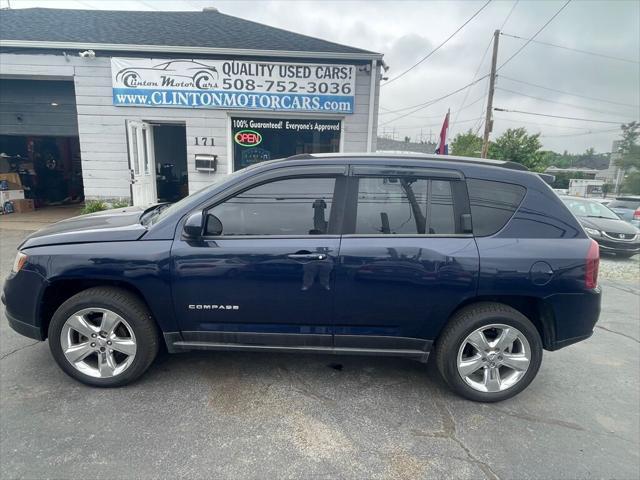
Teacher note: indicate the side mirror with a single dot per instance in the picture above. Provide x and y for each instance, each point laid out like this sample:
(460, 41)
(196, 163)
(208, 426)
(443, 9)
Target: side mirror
(214, 225)
(193, 226)
(465, 223)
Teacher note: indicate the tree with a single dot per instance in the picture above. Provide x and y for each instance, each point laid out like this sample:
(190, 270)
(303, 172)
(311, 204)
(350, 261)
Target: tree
(629, 149)
(631, 183)
(517, 145)
(466, 145)
(407, 139)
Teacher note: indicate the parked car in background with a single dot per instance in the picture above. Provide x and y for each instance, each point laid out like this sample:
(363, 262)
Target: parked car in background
(627, 208)
(613, 234)
(477, 261)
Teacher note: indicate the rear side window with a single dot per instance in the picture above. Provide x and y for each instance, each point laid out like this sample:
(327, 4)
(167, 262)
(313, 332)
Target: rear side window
(492, 204)
(404, 206)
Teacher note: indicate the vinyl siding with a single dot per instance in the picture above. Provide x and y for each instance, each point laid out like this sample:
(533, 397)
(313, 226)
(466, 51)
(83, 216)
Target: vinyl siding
(102, 131)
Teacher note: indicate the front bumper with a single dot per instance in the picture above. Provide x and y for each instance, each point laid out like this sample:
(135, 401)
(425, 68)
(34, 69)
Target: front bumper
(613, 246)
(21, 296)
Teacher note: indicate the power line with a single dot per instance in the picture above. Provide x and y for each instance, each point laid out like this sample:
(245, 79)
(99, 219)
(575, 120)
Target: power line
(466, 95)
(441, 115)
(569, 93)
(486, 50)
(512, 120)
(535, 34)
(408, 127)
(509, 14)
(486, 97)
(431, 102)
(586, 52)
(559, 103)
(590, 132)
(438, 47)
(556, 116)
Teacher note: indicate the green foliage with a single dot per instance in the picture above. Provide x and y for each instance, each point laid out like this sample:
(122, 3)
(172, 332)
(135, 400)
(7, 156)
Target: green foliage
(467, 145)
(517, 145)
(562, 179)
(92, 206)
(631, 184)
(629, 147)
(120, 204)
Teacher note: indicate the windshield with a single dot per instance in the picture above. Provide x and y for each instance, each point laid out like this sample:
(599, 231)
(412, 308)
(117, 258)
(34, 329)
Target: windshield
(586, 208)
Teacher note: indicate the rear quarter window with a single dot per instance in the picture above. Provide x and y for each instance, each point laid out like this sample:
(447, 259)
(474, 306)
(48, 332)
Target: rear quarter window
(492, 204)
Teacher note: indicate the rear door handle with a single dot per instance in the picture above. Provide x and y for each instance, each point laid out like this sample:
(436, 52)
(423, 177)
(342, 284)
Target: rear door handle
(307, 256)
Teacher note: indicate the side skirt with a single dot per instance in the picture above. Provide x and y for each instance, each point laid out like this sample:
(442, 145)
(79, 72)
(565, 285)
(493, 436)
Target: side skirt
(415, 348)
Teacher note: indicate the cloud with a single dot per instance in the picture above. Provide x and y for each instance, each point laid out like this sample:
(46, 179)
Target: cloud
(405, 31)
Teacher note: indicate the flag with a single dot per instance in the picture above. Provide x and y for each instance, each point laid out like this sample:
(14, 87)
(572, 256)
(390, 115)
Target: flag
(443, 148)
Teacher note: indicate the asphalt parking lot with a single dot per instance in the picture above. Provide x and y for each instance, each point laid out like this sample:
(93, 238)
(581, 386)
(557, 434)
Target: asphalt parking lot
(252, 415)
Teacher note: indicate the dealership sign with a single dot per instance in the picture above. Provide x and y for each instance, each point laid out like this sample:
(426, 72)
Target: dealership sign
(232, 84)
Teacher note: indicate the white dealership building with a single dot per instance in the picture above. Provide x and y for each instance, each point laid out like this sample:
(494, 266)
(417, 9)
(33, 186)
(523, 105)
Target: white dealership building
(150, 106)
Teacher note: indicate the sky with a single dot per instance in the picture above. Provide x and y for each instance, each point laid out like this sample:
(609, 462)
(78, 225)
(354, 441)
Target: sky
(405, 31)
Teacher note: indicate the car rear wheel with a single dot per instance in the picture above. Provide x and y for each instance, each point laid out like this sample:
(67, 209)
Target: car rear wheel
(103, 337)
(489, 352)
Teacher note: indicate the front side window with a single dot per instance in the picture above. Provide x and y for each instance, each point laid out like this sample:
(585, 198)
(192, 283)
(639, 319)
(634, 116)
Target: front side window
(404, 205)
(296, 206)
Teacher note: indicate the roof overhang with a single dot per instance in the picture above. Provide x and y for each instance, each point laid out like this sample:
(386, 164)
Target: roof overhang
(186, 49)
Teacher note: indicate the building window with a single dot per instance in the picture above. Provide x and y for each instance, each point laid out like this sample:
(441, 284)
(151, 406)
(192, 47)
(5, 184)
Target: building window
(258, 139)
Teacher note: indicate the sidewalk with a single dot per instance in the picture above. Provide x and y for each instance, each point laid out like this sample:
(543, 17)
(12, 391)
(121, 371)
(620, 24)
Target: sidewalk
(39, 218)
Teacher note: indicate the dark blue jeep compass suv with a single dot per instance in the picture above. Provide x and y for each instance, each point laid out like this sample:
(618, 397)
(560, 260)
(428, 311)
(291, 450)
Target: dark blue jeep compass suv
(475, 260)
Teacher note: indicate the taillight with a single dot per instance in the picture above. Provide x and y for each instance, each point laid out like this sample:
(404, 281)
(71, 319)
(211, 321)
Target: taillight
(636, 214)
(593, 263)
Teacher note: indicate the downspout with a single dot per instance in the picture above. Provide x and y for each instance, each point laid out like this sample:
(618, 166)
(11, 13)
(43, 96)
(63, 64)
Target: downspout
(372, 101)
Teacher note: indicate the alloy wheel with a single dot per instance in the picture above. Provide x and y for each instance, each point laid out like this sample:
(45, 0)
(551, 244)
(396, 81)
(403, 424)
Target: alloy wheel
(493, 358)
(98, 342)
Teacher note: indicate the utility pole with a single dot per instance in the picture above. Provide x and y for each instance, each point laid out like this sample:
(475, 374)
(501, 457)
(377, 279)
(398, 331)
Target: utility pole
(488, 122)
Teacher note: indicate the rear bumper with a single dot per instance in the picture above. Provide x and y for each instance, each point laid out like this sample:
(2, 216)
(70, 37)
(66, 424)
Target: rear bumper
(574, 317)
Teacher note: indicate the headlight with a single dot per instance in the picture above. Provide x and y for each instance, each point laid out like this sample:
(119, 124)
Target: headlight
(593, 232)
(19, 262)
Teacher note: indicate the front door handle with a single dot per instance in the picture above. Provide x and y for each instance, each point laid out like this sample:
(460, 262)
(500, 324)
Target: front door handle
(307, 256)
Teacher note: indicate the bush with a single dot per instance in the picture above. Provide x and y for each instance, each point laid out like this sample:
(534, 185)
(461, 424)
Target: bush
(92, 206)
(120, 204)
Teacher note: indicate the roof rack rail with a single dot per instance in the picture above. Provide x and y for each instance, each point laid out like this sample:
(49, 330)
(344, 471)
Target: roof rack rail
(445, 158)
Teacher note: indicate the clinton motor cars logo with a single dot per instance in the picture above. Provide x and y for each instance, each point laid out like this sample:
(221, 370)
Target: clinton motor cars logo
(233, 84)
(176, 73)
(247, 138)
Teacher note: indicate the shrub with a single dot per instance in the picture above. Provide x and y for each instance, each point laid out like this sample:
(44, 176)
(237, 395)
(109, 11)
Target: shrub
(92, 206)
(120, 204)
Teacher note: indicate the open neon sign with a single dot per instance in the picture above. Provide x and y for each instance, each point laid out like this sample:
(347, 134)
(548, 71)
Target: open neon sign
(247, 138)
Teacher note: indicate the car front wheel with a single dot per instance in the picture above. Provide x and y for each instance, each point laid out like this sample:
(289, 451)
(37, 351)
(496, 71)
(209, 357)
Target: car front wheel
(489, 352)
(104, 337)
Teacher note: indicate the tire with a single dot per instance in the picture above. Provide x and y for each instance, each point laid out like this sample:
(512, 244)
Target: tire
(626, 254)
(125, 351)
(454, 346)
